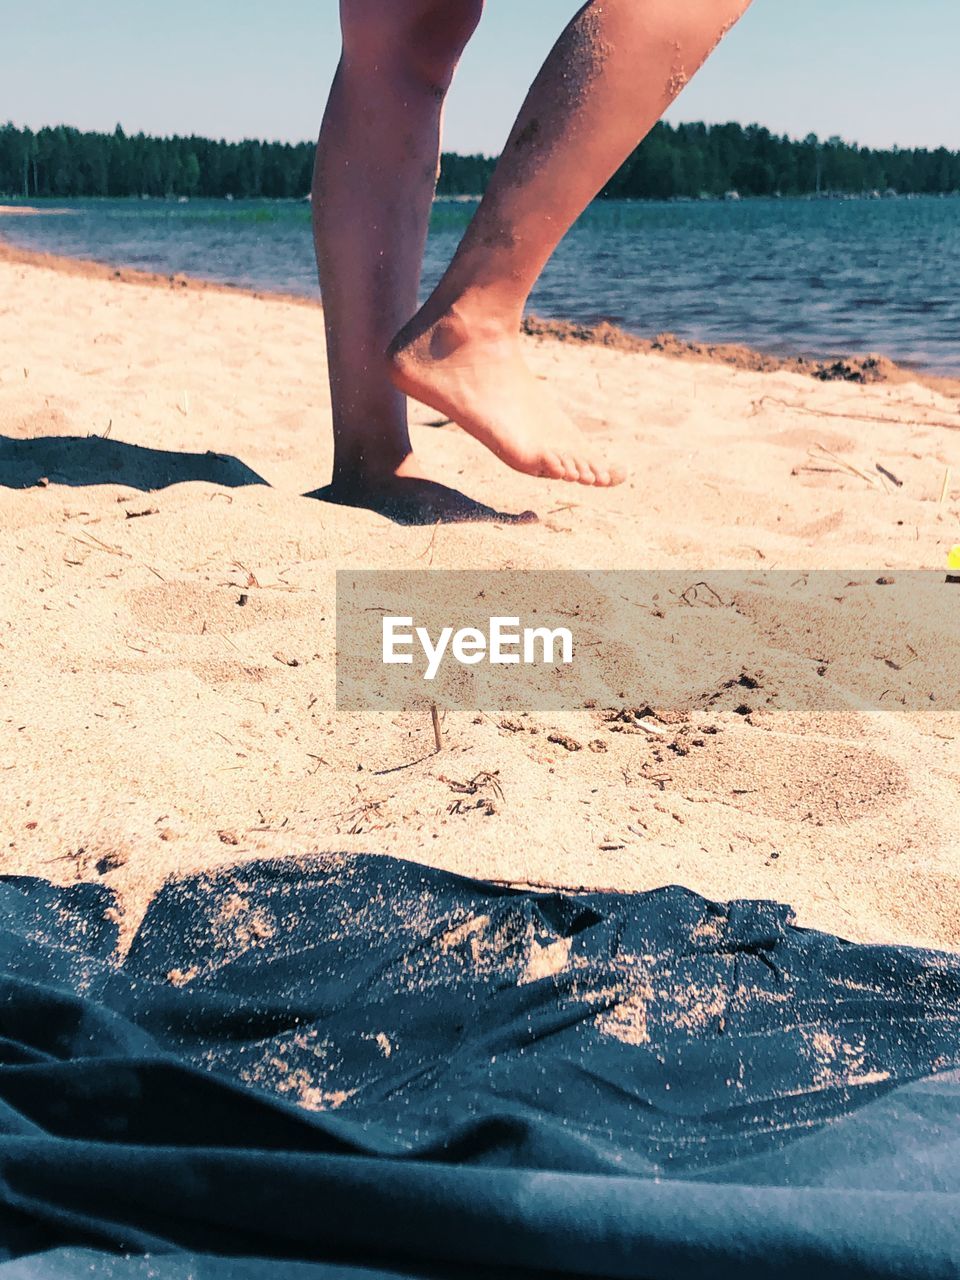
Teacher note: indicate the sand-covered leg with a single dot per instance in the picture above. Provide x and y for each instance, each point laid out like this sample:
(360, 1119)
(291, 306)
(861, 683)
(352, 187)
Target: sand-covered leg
(609, 78)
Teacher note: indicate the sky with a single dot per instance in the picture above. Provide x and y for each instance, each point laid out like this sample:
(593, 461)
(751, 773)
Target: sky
(877, 72)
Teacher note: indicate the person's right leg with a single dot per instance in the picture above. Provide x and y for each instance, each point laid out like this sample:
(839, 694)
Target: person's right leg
(376, 172)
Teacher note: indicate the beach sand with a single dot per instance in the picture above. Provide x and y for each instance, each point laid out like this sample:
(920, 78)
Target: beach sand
(152, 726)
(28, 211)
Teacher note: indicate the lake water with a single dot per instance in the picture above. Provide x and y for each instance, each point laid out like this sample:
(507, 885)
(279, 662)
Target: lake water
(814, 277)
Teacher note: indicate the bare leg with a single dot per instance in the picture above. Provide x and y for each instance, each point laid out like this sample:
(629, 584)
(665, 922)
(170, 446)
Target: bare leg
(375, 177)
(610, 77)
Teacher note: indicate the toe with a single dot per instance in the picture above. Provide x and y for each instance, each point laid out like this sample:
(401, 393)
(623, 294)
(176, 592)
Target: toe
(571, 472)
(586, 473)
(553, 467)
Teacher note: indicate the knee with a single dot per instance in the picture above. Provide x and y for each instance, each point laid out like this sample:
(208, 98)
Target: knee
(438, 36)
(423, 38)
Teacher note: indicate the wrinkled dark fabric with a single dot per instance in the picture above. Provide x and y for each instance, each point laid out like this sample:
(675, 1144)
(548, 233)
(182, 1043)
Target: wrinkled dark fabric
(359, 1067)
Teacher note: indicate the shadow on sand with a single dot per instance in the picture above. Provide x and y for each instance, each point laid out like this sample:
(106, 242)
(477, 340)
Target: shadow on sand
(412, 501)
(78, 461)
(88, 460)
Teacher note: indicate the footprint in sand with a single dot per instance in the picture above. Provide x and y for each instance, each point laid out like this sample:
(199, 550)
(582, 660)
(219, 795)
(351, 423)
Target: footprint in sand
(191, 609)
(218, 673)
(42, 422)
(812, 438)
(785, 777)
(820, 528)
(212, 672)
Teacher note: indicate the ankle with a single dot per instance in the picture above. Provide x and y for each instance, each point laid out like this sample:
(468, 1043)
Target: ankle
(488, 319)
(357, 464)
(487, 312)
(449, 326)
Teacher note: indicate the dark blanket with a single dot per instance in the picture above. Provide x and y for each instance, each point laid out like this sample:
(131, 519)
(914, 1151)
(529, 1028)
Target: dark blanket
(358, 1067)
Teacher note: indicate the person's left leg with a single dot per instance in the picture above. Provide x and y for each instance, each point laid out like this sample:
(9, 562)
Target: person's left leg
(610, 77)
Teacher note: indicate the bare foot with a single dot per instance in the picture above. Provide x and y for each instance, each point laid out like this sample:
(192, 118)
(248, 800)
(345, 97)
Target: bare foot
(480, 381)
(407, 496)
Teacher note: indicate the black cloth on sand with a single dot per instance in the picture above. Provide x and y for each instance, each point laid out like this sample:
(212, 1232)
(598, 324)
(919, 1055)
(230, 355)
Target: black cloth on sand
(361, 1067)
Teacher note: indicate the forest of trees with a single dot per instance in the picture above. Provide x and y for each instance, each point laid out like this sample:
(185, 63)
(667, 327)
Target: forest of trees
(690, 160)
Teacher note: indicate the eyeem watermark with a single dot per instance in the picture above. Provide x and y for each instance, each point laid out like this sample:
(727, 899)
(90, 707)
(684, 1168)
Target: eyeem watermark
(504, 643)
(679, 641)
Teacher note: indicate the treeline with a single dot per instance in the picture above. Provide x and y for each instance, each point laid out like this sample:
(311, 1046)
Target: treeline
(697, 159)
(688, 160)
(63, 162)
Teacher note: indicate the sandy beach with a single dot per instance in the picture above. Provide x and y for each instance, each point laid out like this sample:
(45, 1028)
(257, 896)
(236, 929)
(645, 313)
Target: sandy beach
(155, 440)
(28, 211)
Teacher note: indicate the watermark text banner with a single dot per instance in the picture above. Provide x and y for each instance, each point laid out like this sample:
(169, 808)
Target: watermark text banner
(668, 640)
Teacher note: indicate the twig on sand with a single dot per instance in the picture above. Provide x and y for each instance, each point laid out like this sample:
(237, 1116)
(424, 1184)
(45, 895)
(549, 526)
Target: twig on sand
(819, 450)
(437, 730)
(101, 545)
(427, 553)
(707, 587)
(399, 768)
(480, 781)
(251, 576)
(357, 817)
(945, 490)
(890, 476)
(485, 786)
(854, 417)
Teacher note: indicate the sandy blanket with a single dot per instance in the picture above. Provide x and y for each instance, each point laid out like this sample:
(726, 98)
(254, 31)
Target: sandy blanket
(506, 1083)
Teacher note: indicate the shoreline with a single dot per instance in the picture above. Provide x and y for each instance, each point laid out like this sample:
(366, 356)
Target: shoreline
(863, 369)
(28, 211)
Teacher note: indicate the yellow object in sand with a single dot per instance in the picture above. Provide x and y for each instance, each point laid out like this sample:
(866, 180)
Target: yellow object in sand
(953, 560)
